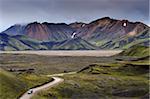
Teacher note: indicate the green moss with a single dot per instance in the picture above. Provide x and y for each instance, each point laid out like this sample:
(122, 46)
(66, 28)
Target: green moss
(137, 50)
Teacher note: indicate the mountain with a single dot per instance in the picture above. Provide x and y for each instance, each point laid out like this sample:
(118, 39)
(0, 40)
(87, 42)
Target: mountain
(107, 33)
(16, 29)
(106, 29)
(75, 44)
(104, 33)
(77, 25)
(127, 41)
(21, 42)
(96, 31)
(42, 31)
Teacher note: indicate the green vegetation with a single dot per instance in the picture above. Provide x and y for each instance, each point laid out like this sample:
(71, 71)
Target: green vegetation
(74, 44)
(117, 79)
(21, 42)
(99, 84)
(137, 50)
(46, 64)
(12, 85)
(127, 41)
(123, 76)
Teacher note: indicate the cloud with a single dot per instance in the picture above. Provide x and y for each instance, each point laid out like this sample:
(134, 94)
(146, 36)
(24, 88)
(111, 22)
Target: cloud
(22, 11)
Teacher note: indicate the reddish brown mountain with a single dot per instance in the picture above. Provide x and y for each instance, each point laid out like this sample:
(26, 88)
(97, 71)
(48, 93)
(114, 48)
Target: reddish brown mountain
(107, 28)
(101, 29)
(43, 31)
(48, 31)
(37, 31)
(77, 25)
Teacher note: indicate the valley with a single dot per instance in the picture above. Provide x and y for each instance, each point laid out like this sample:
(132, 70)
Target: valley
(104, 59)
(121, 76)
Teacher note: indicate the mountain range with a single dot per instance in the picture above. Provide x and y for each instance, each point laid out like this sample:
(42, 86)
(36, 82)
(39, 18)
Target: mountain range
(104, 33)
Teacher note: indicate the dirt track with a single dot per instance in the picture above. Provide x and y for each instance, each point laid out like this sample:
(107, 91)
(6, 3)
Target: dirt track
(43, 87)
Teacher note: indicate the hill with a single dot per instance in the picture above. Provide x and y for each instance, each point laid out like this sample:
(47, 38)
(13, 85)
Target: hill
(136, 50)
(74, 44)
(18, 42)
(22, 42)
(127, 41)
(10, 86)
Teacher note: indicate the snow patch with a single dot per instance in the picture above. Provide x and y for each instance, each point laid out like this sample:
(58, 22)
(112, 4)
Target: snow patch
(124, 24)
(73, 35)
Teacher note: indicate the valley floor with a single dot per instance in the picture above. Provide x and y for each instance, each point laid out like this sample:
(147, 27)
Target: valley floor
(96, 77)
(97, 53)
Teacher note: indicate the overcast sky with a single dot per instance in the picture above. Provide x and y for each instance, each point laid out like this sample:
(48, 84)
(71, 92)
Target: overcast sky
(57, 11)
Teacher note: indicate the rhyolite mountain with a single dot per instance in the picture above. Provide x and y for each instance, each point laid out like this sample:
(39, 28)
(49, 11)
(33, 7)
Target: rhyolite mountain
(104, 33)
(107, 29)
(42, 31)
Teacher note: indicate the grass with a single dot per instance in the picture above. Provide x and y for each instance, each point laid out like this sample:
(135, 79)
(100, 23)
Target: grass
(18, 65)
(12, 85)
(117, 79)
(47, 64)
(91, 86)
(137, 50)
(123, 76)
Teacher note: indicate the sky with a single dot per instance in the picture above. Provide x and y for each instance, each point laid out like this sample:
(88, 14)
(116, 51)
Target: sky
(68, 11)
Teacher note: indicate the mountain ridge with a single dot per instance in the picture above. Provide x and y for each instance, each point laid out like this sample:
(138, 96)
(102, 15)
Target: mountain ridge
(104, 33)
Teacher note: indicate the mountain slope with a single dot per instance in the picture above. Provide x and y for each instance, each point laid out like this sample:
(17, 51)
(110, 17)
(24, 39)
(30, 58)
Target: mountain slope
(74, 44)
(127, 41)
(107, 28)
(18, 42)
(98, 30)
(136, 50)
(21, 42)
(16, 29)
(104, 33)
(42, 31)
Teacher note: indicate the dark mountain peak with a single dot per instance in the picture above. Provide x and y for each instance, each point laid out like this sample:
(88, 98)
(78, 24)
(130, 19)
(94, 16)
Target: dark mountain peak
(34, 23)
(46, 23)
(17, 25)
(105, 18)
(142, 24)
(15, 29)
(77, 25)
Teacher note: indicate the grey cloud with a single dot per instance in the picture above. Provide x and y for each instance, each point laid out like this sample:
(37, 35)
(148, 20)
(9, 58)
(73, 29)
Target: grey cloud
(22, 11)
